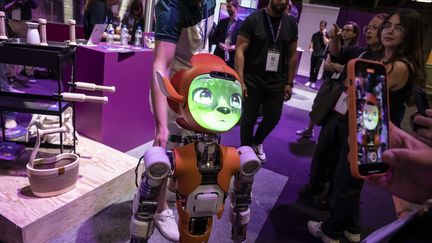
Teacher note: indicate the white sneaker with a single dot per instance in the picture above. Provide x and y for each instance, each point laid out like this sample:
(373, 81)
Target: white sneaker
(10, 123)
(308, 83)
(167, 225)
(314, 228)
(313, 85)
(306, 133)
(259, 150)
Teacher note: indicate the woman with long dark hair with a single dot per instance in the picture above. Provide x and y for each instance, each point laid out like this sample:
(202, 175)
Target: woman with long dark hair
(134, 18)
(402, 40)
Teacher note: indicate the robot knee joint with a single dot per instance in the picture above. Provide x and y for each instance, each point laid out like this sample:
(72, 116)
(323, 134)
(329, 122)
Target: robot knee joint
(157, 164)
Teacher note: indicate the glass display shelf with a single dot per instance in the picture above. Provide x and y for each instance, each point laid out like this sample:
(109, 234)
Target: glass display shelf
(53, 56)
(44, 71)
(35, 105)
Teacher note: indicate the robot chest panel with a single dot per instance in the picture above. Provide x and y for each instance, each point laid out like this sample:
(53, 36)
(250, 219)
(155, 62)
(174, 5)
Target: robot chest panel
(205, 200)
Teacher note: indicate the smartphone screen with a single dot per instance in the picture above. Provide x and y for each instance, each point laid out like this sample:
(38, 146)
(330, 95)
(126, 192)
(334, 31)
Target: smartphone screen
(372, 117)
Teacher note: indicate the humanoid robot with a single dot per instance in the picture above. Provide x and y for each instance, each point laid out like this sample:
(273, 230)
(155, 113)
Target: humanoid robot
(208, 100)
(369, 138)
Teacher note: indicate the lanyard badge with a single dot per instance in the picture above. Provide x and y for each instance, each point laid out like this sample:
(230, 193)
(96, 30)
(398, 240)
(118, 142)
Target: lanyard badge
(273, 56)
(272, 61)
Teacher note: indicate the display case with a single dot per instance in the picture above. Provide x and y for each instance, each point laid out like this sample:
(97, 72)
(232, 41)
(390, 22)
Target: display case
(51, 69)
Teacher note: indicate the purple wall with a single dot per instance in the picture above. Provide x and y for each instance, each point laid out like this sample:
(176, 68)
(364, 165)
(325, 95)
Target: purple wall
(60, 32)
(126, 121)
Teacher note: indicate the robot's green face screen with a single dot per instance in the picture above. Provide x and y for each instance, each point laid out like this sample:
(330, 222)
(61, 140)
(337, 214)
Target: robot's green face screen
(215, 103)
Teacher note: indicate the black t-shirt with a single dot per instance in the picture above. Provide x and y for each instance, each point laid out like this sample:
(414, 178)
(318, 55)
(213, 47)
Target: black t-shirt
(96, 13)
(256, 28)
(351, 52)
(172, 16)
(319, 46)
(186, 24)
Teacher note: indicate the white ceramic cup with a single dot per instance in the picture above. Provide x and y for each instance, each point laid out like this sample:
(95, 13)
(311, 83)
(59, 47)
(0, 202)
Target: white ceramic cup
(33, 33)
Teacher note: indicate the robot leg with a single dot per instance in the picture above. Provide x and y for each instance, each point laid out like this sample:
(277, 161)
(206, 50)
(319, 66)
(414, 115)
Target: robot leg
(240, 195)
(157, 167)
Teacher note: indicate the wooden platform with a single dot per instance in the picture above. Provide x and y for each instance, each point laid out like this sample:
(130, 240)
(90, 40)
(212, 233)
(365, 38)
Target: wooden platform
(105, 178)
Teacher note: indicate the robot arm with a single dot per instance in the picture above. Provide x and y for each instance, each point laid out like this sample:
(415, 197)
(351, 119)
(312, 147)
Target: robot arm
(240, 195)
(157, 167)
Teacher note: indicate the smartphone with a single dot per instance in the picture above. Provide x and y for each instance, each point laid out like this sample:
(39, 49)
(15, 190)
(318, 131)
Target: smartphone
(421, 100)
(368, 117)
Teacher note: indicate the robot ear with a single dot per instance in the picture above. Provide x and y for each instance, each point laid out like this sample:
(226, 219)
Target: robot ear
(167, 88)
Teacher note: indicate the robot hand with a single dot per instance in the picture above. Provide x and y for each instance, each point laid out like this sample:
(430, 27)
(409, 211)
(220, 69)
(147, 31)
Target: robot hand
(240, 195)
(157, 167)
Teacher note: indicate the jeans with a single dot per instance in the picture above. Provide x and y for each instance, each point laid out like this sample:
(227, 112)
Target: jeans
(345, 199)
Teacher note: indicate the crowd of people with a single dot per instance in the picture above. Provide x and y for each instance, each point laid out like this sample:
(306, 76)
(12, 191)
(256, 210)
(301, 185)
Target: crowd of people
(262, 50)
(394, 40)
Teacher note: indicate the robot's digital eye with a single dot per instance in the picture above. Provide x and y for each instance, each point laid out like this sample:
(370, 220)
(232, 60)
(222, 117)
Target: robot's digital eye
(203, 96)
(235, 101)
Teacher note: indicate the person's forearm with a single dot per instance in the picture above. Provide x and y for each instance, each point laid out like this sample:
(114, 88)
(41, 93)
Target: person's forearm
(292, 63)
(328, 66)
(159, 106)
(159, 100)
(338, 67)
(326, 40)
(239, 64)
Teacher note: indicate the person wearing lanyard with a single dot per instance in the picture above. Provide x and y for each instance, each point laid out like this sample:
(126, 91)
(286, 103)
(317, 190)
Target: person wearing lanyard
(265, 60)
(225, 35)
(181, 31)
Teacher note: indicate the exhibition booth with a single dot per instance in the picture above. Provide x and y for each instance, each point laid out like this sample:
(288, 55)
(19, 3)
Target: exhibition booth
(90, 103)
(72, 98)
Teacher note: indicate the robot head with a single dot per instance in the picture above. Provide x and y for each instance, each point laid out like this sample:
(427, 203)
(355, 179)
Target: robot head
(370, 112)
(208, 97)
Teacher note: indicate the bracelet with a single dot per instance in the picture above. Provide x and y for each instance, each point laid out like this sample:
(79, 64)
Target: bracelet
(290, 84)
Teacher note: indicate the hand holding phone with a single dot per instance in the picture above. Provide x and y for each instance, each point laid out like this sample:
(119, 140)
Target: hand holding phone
(410, 177)
(368, 117)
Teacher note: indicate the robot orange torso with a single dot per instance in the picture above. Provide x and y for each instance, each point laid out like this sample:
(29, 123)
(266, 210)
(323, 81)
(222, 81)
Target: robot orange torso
(203, 169)
(207, 99)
